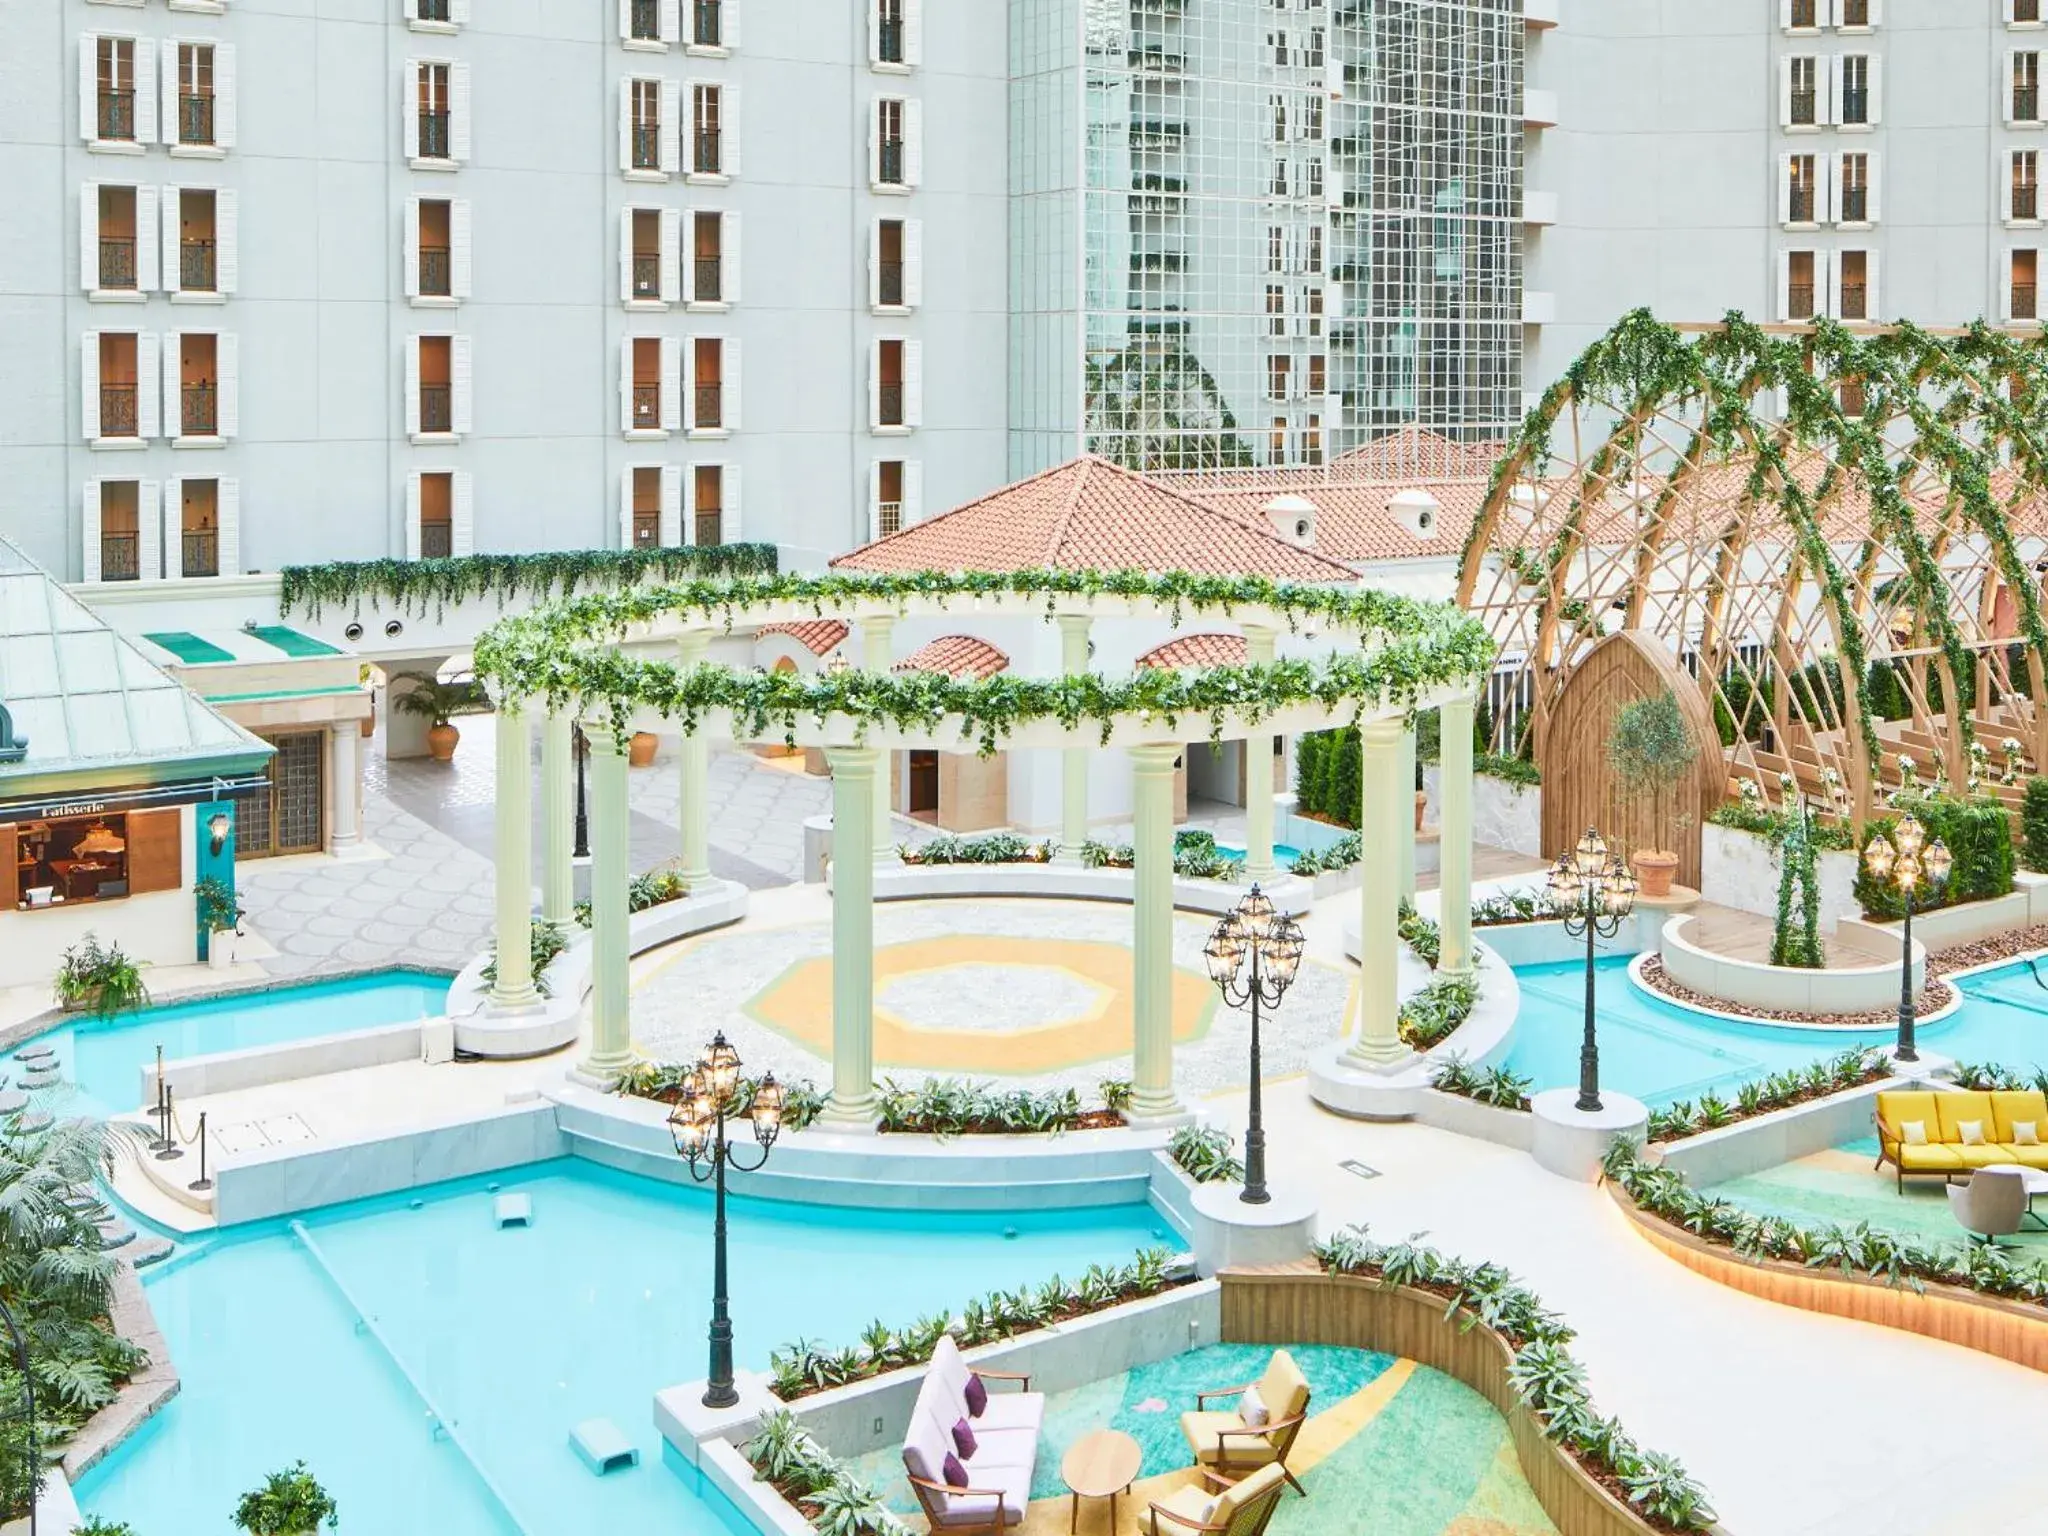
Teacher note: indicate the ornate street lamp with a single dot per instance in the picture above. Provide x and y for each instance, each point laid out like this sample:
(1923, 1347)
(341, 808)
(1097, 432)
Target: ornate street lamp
(1905, 866)
(1594, 893)
(697, 1126)
(581, 744)
(1254, 952)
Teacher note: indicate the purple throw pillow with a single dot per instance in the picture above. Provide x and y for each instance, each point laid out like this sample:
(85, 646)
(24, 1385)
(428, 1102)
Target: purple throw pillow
(954, 1474)
(977, 1396)
(963, 1439)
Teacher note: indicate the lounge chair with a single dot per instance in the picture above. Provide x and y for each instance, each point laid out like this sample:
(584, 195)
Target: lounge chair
(1228, 1447)
(1991, 1205)
(1240, 1509)
(998, 1491)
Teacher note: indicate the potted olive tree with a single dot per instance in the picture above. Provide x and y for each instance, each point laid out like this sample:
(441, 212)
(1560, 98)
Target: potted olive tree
(1649, 751)
(290, 1503)
(219, 917)
(437, 703)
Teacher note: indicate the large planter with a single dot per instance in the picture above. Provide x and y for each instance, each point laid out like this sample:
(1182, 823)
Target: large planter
(640, 750)
(441, 740)
(1655, 870)
(220, 948)
(1421, 805)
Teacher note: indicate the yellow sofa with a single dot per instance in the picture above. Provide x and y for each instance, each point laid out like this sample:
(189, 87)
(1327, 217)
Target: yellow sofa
(1941, 1117)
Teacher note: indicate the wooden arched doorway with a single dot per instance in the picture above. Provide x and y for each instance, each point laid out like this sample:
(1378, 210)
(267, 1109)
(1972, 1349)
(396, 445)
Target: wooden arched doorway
(1579, 790)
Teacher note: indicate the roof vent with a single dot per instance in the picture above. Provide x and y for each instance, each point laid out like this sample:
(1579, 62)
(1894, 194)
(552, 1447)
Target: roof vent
(1293, 519)
(1416, 510)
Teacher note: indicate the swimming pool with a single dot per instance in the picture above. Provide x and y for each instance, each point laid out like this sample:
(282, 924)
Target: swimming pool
(1284, 854)
(429, 1367)
(103, 1060)
(1659, 1052)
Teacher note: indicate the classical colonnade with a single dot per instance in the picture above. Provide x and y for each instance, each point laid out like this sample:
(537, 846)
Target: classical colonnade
(862, 841)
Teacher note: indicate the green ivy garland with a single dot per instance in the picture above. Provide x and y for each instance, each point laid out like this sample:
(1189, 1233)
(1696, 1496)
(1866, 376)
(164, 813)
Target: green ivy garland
(414, 586)
(572, 653)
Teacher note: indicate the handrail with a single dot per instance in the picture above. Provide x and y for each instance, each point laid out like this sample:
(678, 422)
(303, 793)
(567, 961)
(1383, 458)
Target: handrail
(445, 1421)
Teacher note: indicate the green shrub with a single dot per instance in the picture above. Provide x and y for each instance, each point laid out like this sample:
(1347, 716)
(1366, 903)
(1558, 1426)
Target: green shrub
(988, 848)
(1204, 1154)
(99, 979)
(1979, 838)
(1515, 770)
(543, 943)
(1328, 782)
(653, 889)
(2034, 822)
(288, 1503)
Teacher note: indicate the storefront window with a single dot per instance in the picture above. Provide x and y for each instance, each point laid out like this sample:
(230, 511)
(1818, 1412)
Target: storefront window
(64, 862)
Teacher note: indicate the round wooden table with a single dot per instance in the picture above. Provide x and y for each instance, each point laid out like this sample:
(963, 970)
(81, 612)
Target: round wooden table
(1101, 1465)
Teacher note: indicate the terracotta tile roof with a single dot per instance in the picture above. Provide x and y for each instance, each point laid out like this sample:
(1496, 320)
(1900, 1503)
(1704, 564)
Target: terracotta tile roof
(1088, 514)
(1416, 453)
(956, 656)
(1355, 520)
(1196, 651)
(818, 636)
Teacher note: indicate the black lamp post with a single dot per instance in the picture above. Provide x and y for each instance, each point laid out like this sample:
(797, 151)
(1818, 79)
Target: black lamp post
(697, 1125)
(1253, 953)
(582, 755)
(1594, 892)
(28, 1394)
(1905, 866)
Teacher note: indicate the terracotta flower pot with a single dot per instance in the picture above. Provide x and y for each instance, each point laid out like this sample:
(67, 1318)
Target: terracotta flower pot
(1655, 870)
(1421, 805)
(640, 750)
(441, 741)
(368, 724)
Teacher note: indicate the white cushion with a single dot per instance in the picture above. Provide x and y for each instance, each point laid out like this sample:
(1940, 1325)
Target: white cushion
(1252, 1408)
(1002, 1448)
(926, 1448)
(1913, 1133)
(2026, 1133)
(1972, 1132)
(945, 1383)
(1012, 1410)
(975, 1509)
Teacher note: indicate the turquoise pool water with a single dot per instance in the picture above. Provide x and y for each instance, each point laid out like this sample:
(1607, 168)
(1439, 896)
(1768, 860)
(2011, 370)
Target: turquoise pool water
(1659, 1053)
(1284, 854)
(429, 1367)
(103, 1061)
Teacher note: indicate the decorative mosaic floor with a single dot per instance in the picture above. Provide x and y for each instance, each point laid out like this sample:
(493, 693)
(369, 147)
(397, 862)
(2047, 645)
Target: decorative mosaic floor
(1840, 1186)
(1391, 1448)
(1018, 989)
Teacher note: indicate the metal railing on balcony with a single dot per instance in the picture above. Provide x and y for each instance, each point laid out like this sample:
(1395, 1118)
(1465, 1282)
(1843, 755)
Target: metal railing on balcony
(199, 410)
(437, 539)
(1855, 205)
(707, 159)
(199, 552)
(710, 528)
(646, 276)
(2026, 202)
(646, 407)
(433, 10)
(2026, 103)
(117, 263)
(1855, 299)
(117, 410)
(646, 146)
(706, 25)
(1800, 206)
(1855, 13)
(196, 266)
(1804, 104)
(889, 40)
(2026, 10)
(120, 556)
(195, 119)
(437, 408)
(889, 282)
(117, 114)
(889, 517)
(1799, 301)
(706, 279)
(890, 166)
(2023, 302)
(1855, 104)
(1806, 13)
(710, 404)
(436, 279)
(646, 21)
(889, 405)
(646, 529)
(434, 136)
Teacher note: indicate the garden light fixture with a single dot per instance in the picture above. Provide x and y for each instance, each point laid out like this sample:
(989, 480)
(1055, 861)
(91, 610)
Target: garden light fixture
(697, 1126)
(1594, 892)
(217, 828)
(1254, 952)
(1914, 862)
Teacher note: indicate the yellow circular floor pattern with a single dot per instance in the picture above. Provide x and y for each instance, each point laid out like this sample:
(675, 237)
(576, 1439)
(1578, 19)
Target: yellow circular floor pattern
(1088, 1020)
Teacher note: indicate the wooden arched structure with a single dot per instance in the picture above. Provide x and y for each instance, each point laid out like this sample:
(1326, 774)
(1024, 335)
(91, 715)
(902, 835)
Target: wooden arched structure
(1578, 789)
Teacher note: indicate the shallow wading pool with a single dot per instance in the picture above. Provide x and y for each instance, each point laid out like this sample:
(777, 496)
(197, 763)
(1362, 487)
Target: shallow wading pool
(429, 1367)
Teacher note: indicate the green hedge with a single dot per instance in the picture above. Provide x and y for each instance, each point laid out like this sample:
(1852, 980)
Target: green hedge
(1329, 779)
(1979, 836)
(2034, 823)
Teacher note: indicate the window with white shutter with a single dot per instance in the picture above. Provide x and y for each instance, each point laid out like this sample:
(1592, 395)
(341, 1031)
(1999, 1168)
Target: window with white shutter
(117, 92)
(1800, 97)
(2023, 13)
(731, 391)
(461, 246)
(2023, 186)
(669, 525)
(90, 562)
(671, 403)
(732, 518)
(171, 523)
(458, 113)
(729, 264)
(462, 520)
(228, 366)
(913, 143)
(415, 541)
(464, 386)
(2022, 302)
(913, 263)
(668, 276)
(228, 556)
(2023, 87)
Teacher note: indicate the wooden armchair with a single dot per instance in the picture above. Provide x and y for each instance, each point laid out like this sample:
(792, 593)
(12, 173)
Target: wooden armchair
(941, 1514)
(1228, 1449)
(1240, 1509)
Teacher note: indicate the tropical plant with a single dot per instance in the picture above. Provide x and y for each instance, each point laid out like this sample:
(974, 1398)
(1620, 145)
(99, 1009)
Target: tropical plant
(428, 698)
(1117, 1093)
(1845, 1069)
(99, 979)
(543, 944)
(989, 848)
(1494, 1085)
(1513, 770)
(95, 1526)
(1433, 1015)
(1204, 1154)
(1197, 862)
(1421, 934)
(1650, 749)
(290, 1503)
(421, 586)
(657, 887)
(951, 1106)
(218, 910)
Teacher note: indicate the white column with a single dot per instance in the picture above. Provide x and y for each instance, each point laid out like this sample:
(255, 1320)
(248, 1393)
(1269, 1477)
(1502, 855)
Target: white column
(557, 815)
(695, 759)
(852, 1105)
(514, 859)
(875, 656)
(344, 774)
(1073, 760)
(1379, 997)
(1152, 932)
(1404, 833)
(611, 1041)
(1258, 776)
(1454, 817)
